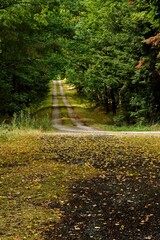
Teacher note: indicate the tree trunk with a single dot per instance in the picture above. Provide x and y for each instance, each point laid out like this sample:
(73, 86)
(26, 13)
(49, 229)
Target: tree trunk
(106, 101)
(113, 101)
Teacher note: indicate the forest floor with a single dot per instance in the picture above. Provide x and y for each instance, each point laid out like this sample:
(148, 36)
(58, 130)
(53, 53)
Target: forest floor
(79, 183)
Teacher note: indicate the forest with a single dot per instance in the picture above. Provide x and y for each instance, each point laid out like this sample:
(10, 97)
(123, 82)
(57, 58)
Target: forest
(79, 119)
(109, 50)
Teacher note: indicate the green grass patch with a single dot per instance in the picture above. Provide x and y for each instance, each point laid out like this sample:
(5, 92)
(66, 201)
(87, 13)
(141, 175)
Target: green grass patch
(96, 117)
(88, 114)
(42, 114)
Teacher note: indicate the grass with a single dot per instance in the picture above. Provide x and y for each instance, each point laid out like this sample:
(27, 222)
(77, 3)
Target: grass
(96, 117)
(72, 187)
(36, 118)
(42, 114)
(83, 109)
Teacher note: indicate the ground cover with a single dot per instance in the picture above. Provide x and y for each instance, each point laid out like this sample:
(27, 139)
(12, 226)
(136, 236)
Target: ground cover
(82, 186)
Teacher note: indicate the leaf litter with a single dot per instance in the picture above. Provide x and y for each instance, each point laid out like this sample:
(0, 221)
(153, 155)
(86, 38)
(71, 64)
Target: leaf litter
(80, 187)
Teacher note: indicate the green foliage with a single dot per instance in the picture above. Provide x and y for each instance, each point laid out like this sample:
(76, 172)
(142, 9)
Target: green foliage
(104, 56)
(98, 119)
(38, 116)
(97, 45)
(31, 36)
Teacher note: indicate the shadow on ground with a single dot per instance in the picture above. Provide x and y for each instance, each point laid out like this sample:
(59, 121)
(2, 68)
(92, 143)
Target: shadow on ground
(108, 208)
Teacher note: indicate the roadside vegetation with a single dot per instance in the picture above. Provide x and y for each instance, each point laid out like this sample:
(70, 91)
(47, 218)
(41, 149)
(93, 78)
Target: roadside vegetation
(96, 117)
(35, 118)
(38, 117)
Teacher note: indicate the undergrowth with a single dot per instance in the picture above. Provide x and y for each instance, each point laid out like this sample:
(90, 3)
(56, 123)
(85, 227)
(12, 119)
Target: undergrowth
(38, 117)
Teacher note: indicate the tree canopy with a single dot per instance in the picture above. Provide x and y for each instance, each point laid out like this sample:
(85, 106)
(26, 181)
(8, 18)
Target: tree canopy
(113, 62)
(29, 44)
(109, 50)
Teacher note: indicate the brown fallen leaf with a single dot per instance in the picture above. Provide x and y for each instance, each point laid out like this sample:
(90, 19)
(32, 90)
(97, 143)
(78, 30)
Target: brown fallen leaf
(146, 219)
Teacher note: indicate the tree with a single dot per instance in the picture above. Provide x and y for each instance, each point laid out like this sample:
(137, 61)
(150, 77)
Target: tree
(100, 60)
(30, 49)
(109, 61)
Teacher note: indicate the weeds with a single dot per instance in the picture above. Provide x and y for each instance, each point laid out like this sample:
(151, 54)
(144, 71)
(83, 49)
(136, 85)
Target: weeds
(37, 117)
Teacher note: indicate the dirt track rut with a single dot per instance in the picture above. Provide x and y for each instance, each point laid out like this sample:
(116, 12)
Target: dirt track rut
(78, 126)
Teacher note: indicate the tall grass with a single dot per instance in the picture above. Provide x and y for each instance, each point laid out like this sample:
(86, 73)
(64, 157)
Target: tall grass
(26, 120)
(24, 123)
(38, 117)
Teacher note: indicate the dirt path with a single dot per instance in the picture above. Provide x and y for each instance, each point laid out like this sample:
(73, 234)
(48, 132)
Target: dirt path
(121, 202)
(78, 126)
(56, 118)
